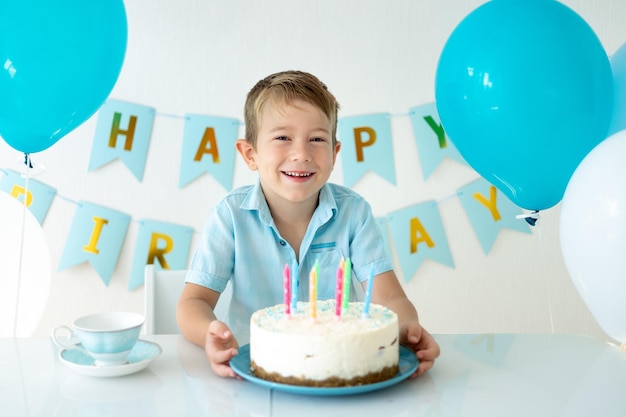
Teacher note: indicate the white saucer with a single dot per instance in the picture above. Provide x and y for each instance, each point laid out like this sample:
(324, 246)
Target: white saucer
(143, 353)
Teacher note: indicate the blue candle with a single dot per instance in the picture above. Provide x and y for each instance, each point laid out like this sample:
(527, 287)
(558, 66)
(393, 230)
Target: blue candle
(368, 294)
(294, 288)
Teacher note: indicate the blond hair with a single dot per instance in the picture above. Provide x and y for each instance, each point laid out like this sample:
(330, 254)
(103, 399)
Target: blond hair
(284, 88)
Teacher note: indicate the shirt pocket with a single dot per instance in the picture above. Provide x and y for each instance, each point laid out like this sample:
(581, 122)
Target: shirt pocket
(328, 257)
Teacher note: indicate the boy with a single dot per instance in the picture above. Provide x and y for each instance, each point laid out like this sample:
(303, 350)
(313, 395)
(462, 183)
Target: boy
(292, 216)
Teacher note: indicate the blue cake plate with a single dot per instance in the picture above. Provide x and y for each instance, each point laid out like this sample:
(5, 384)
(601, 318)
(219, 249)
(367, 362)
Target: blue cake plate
(241, 365)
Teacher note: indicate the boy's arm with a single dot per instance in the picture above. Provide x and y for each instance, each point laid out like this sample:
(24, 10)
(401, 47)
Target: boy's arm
(194, 312)
(387, 291)
(197, 322)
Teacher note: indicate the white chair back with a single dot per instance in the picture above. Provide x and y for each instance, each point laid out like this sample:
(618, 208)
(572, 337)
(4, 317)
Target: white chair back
(163, 289)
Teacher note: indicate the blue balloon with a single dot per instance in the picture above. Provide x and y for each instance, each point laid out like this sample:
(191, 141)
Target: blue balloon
(618, 65)
(59, 61)
(524, 90)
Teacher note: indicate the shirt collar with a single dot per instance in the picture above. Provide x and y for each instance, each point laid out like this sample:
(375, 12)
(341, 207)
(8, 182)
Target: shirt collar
(326, 207)
(255, 200)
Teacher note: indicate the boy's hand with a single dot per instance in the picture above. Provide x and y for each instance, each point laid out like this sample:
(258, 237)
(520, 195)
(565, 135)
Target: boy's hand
(220, 348)
(426, 349)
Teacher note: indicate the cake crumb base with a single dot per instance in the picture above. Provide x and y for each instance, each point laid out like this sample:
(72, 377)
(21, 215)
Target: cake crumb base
(372, 377)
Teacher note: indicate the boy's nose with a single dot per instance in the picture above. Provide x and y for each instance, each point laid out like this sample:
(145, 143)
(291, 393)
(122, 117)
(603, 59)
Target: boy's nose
(300, 151)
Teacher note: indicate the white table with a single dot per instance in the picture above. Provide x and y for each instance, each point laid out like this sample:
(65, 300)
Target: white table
(476, 375)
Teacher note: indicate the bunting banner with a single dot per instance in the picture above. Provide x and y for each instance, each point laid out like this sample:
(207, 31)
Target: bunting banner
(431, 139)
(96, 235)
(38, 197)
(209, 146)
(164, 245)
(123, 131)
(366, 145)
(489, 211)
(418, 234)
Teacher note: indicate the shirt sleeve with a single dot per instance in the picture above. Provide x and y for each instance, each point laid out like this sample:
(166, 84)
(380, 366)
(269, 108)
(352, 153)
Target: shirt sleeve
(213, 260)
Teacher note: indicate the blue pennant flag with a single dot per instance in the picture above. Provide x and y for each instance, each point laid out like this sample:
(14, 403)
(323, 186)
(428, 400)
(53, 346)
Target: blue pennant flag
(96, 235)
(164, 245)
(489, 211)
(366, 145)
(430, 138)
(209, 146)
(38, 196)
(418, 234)
(123, 131)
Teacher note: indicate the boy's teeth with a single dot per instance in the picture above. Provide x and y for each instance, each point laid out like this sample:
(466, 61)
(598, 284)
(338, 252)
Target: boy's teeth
(297, 174)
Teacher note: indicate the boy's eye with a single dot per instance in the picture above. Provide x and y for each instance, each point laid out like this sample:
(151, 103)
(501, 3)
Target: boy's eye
(282, 138)
(318, 139)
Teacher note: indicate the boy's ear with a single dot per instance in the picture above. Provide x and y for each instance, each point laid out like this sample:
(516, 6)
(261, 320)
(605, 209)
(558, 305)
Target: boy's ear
(337, 149)
(247, 152)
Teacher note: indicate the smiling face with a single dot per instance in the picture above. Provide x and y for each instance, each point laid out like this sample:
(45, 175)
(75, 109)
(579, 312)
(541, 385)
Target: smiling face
(294, 152)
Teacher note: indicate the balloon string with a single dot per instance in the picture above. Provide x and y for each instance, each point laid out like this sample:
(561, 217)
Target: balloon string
(29, 165)
(545, 276)
(21, 371)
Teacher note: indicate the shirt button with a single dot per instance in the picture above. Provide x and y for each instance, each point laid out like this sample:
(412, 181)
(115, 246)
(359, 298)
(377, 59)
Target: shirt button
(283, 243)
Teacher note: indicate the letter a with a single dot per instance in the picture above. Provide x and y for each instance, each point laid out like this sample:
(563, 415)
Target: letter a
(208, 138)
(419, 235)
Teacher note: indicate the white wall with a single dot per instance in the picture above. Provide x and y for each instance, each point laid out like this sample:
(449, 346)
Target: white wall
(201, 56)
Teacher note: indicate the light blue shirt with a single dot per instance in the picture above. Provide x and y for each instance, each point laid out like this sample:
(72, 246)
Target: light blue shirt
(241, 244)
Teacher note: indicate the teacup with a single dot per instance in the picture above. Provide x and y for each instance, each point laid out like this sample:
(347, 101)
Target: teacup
(107, 337)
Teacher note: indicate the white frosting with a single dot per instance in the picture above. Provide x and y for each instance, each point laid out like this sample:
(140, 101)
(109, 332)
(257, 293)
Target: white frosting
(316, 349)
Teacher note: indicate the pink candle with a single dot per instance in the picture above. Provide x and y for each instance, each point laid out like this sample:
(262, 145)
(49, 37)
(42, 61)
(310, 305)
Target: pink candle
(338, 292)
(287, 289)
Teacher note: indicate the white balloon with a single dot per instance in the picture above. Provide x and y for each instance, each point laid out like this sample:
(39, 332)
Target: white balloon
(593, 233)
(20, 231)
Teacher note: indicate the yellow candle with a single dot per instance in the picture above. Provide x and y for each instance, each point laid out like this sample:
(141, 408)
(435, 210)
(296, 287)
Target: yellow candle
(313, 292)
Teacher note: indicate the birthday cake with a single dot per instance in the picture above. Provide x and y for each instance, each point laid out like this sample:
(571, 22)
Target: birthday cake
(328, 350)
